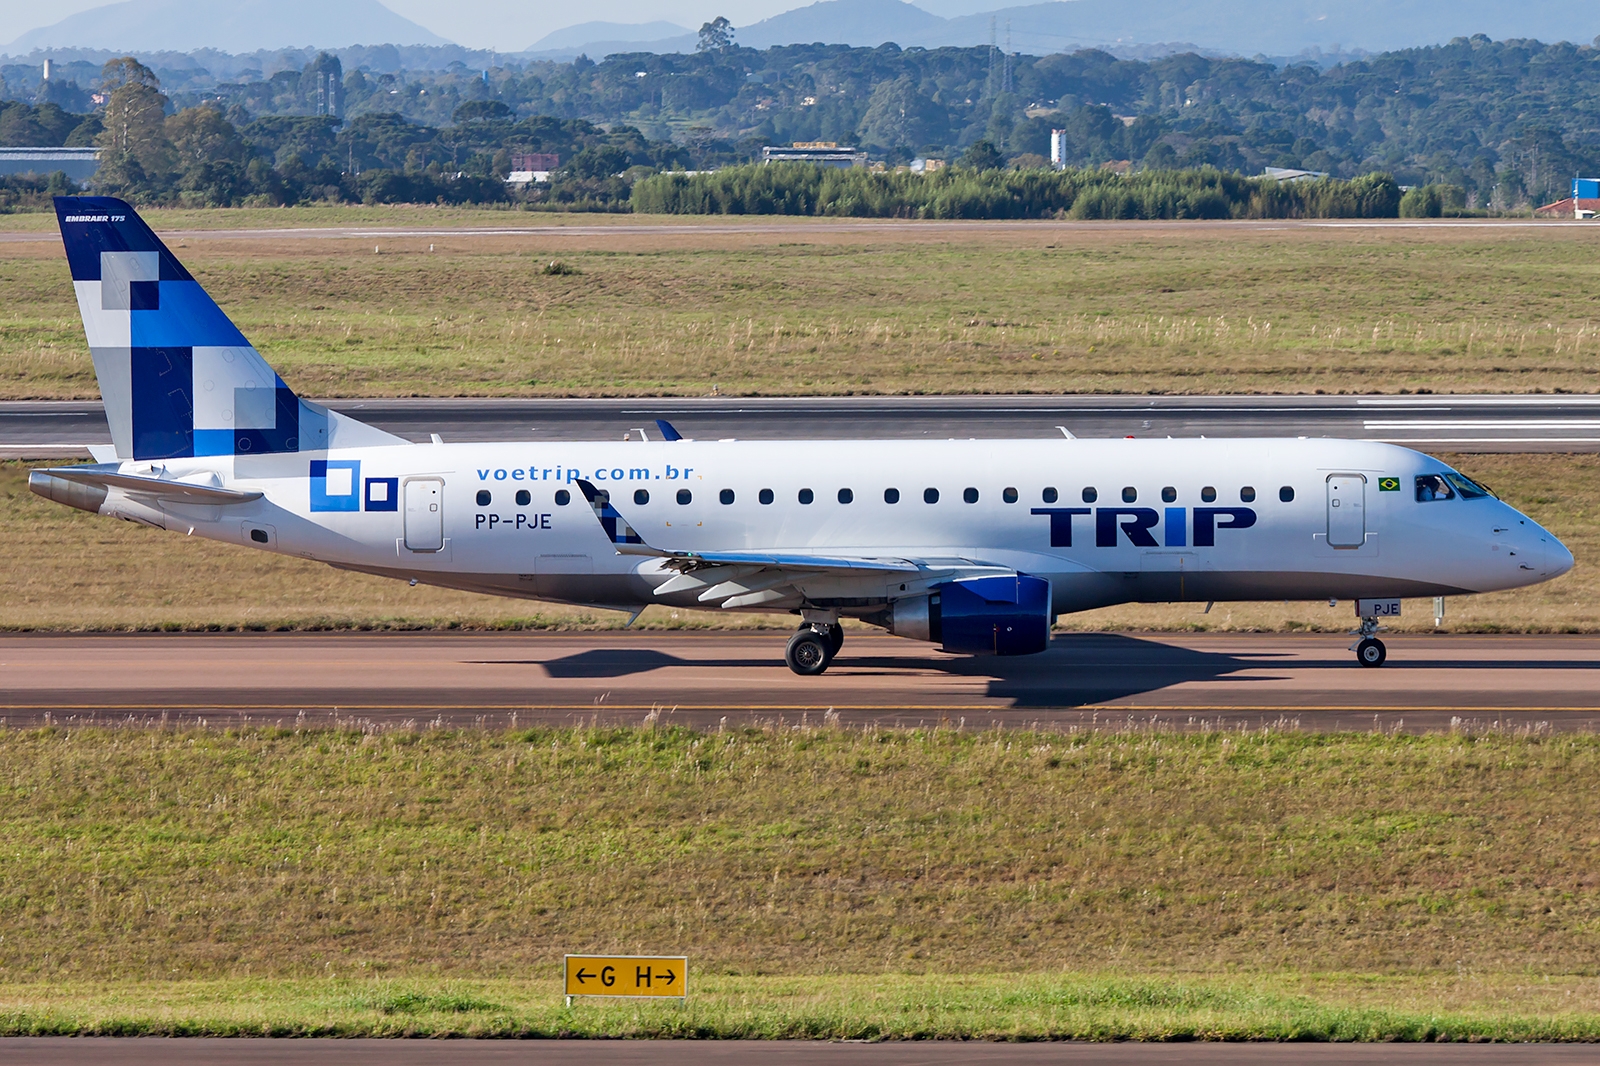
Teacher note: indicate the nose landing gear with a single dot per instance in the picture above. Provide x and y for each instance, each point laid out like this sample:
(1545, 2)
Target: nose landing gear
(813, 647)
(1369, 649)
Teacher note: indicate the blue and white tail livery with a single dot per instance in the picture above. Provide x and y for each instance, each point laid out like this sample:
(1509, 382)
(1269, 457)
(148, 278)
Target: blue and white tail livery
(177, 377)
(975, 545)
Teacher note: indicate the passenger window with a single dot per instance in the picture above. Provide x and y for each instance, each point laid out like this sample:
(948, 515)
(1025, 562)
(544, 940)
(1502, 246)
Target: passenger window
(483, 497)
(563, 497)
(930, 495)
(970, 495)
(524, 497)
(1169, 495)
(1130, 494)
(845, 495)
(1432, 487)
(806, 496)
(1208, 494)
(765, 496)
(641, 497)
(1090, 495)
(1247, 494)
(1469, 489)
(891, 495)
(1009, 495)
(726, 496)
(684, 496)
(1049, 495)
(1286, 494)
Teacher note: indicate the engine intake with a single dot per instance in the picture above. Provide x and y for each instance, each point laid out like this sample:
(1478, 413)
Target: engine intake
(1002, 615)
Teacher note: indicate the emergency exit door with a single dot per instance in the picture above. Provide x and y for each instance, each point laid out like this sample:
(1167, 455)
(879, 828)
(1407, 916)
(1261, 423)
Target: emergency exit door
(1347, 510)
(425, 514)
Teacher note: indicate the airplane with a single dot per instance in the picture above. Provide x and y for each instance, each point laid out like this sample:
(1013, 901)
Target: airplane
(974, 545)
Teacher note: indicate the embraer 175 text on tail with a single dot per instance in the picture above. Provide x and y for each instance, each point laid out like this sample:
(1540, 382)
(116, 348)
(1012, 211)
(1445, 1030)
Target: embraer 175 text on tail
(974, 545)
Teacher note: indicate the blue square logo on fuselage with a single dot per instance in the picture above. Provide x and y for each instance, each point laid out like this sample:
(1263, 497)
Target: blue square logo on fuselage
(335, 484)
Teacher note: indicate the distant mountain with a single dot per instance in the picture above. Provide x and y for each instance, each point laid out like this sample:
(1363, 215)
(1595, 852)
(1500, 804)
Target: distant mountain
(232, 26)
(622, 32)
(1238, 27)
(864, 23)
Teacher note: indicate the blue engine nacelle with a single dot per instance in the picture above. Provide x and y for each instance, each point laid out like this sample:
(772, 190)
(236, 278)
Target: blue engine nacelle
(1003, 615)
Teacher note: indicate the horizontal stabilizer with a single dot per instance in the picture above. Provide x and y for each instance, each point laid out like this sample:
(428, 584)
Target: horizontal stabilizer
(153, 486)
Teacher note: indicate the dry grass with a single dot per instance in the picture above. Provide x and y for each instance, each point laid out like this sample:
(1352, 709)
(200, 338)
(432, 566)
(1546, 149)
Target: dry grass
(147, 855)
(801, 306)
(72, 570)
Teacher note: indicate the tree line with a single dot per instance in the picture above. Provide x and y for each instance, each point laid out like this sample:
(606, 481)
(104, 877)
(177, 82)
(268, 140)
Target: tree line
(964, 192)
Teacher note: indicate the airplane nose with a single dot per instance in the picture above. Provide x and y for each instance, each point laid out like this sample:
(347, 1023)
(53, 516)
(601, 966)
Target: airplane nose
(1557, 559)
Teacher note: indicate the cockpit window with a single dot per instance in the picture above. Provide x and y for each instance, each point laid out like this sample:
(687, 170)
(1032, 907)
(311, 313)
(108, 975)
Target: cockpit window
(1431, 487)
(1469, 489)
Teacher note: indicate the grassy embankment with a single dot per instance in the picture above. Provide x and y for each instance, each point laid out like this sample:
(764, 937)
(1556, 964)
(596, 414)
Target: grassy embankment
(792, 306)
(824, 882)
(69, 570)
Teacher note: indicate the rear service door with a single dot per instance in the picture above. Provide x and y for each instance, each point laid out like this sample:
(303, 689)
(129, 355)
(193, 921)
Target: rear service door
(1347, 510)
(425, 514)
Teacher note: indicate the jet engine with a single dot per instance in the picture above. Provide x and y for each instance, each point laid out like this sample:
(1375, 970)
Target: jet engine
(1001, 615)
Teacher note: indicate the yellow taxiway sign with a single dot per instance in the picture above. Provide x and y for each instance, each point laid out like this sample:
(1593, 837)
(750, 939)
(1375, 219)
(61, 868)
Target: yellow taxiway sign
(628, 975)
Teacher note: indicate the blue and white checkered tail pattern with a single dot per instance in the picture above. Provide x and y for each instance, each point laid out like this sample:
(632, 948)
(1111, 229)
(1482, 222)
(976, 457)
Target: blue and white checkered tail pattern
(614, 524)
(177, 377)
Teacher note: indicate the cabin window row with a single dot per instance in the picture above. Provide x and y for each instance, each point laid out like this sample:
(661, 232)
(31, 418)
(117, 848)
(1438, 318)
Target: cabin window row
(641, 497)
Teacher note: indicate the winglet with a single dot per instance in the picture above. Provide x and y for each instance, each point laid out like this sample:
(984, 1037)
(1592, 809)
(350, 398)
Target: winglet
(667, 430)
(617, 529)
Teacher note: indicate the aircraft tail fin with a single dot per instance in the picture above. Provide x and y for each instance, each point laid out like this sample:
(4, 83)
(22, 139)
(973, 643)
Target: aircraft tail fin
(176, 376)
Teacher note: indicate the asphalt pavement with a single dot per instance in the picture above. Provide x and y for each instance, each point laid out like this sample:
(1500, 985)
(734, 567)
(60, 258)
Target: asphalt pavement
(1527, 423)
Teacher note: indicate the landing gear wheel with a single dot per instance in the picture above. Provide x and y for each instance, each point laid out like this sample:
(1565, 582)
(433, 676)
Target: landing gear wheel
(835, 639)
(1371, 652)
(807, 653)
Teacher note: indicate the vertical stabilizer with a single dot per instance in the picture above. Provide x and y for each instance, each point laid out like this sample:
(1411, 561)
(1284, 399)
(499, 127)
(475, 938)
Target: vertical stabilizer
(176, 376)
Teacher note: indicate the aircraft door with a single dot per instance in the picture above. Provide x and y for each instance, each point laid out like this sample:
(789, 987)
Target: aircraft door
(425, 514)
(1347, 510)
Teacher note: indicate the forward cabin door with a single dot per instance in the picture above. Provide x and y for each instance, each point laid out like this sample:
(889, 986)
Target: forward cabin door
(1347, 510)
(425, 514)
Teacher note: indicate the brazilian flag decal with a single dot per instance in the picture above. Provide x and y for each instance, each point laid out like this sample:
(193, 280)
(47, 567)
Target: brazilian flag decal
(1388, 484)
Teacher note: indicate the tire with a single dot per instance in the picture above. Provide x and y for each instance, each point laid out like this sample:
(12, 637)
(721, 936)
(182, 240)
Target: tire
(807, 653)
(835, 640)
(1371, 652)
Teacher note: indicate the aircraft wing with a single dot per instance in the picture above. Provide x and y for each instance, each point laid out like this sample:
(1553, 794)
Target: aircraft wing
(753, 578)
(109, 477)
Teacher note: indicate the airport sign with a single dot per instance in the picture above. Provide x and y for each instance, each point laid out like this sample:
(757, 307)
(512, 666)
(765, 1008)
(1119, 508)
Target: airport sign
(629, 976)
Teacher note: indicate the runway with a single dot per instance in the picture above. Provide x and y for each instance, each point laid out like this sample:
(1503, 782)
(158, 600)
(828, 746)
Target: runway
(1565, 423)
(729, 679)
(48, 1051)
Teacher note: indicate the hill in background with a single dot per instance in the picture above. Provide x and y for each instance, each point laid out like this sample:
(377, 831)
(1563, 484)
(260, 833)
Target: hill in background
(235, 26)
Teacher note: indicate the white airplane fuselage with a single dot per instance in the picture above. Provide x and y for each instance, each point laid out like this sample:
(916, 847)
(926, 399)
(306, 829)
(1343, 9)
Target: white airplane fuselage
(484, 537)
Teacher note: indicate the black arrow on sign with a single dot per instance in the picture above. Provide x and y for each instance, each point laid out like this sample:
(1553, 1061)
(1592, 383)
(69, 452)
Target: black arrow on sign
(583, 975)
(671, 977)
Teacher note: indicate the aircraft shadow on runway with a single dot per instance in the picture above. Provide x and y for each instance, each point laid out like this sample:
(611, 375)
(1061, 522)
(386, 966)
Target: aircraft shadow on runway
(1076, 670)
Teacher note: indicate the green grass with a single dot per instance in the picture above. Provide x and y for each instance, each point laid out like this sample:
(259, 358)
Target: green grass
(145, 855)
(1026, 1006)
(890, 308)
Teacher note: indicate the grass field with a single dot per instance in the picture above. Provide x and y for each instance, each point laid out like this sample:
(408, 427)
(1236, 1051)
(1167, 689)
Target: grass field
(74, 571)
(797, 306)
(824, 882)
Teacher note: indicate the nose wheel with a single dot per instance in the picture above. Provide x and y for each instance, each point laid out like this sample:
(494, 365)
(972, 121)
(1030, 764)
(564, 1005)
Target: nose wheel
(812, 648)
(1371, 652)
(1369, 649)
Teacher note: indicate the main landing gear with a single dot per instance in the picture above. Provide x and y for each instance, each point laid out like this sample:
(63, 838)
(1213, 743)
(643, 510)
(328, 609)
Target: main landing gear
(1369, 649)
(813, 647)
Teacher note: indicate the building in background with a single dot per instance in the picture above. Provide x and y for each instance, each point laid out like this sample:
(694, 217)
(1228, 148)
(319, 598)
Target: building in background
(532, 167)
(1058, 149)
(823, 153)
(79, 164)
(1291, 174)
(1583, 203)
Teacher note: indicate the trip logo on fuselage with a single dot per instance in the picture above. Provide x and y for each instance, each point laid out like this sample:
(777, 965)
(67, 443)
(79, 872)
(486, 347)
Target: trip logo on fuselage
(1137, 524)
